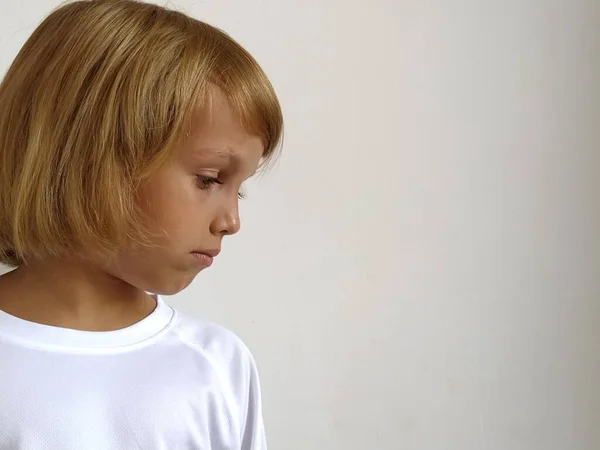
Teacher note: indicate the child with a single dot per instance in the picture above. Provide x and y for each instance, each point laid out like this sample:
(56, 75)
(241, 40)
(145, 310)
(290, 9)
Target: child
(126, 130)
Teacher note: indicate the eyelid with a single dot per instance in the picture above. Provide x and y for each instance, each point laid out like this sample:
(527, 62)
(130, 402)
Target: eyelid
(209, 173)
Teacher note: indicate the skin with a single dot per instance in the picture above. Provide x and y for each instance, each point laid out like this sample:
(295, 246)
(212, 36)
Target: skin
(186, 211)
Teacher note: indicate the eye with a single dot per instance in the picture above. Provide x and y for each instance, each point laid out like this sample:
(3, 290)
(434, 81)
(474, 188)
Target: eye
(206, 183)
(242, 195)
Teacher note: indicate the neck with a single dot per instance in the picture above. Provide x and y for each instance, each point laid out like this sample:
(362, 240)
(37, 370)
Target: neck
(72, 294)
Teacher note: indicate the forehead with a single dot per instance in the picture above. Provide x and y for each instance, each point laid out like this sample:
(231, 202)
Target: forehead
(217, 132)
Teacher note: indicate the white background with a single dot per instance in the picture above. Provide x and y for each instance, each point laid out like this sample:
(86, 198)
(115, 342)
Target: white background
(422, 269)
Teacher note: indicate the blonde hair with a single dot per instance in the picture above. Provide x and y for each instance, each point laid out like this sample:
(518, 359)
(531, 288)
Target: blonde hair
(93, 103)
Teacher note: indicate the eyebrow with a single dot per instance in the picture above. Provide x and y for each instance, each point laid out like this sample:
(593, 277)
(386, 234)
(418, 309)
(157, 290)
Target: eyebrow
(226, 152)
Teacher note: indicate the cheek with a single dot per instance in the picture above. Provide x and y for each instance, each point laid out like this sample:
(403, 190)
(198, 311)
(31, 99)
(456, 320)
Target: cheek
(152, 270)
(181, 223)
(178, 213)
(170, 202)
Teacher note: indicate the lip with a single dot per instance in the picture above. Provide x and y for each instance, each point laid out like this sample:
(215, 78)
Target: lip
(212, 253)
(205, 257)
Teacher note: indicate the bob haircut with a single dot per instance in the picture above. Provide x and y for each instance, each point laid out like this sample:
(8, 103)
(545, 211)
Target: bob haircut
(93, 104)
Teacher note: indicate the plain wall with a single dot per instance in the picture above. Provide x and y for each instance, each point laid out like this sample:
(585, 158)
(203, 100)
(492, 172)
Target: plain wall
(422, 268)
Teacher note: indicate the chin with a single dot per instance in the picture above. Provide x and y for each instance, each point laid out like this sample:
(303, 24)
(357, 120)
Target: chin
(161, 279)
(170, 285)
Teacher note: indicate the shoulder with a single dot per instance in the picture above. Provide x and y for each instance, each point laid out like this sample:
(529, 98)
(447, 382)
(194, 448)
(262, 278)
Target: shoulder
(235, 369)
(222, 347)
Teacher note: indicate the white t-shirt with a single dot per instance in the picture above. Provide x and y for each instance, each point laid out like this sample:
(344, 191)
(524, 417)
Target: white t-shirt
(167, 382)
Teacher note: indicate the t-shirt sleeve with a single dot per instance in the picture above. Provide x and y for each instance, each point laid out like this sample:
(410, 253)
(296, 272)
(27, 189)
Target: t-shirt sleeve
(236, 369)
(253, 433)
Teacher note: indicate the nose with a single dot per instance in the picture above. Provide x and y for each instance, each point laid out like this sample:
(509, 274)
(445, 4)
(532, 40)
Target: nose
(228, 221)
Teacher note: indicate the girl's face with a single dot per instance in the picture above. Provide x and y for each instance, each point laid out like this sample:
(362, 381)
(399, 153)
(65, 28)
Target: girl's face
(192, 203)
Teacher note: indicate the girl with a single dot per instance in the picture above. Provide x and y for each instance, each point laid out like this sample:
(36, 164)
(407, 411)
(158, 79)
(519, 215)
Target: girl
(126, 131)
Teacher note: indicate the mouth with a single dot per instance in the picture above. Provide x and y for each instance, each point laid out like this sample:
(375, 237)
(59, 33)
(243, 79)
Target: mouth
(205, 257)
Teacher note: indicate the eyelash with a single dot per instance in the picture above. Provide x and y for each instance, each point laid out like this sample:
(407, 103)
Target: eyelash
(205, 183)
